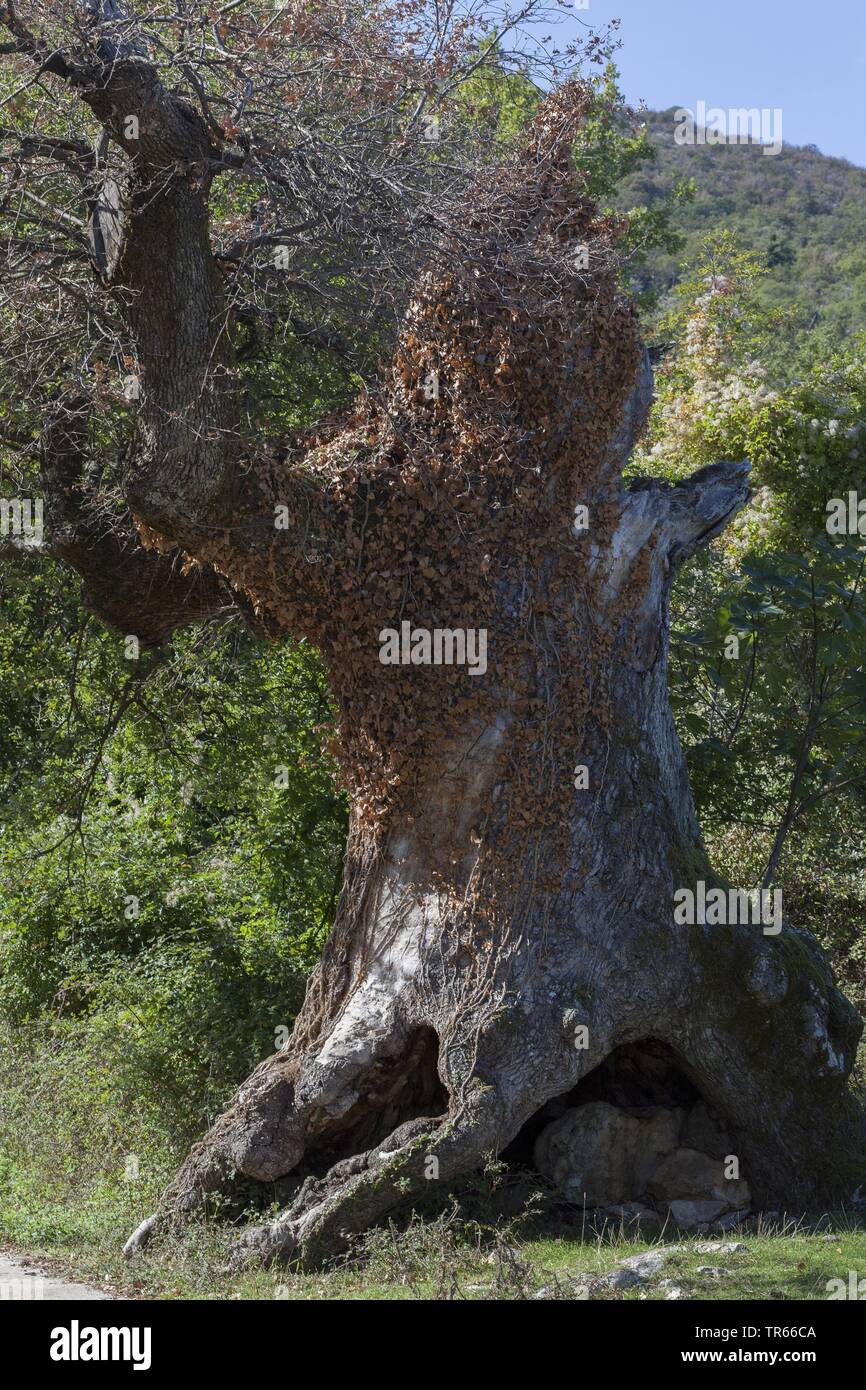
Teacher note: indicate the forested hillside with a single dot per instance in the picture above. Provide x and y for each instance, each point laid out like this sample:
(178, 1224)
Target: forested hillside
(801, 210)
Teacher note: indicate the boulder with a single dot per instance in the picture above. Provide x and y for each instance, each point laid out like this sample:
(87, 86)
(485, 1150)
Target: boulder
(622, 1279)
(694, 1216)
(633, 1217)
(722, 1247)
(688, 1175)
(648, 1262)
(600, 1155)
(732, 1219)
(704, 1131)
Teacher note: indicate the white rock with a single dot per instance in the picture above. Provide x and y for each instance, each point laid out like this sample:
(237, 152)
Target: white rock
(649, 1262)
(600, 1155)
(721, 1247)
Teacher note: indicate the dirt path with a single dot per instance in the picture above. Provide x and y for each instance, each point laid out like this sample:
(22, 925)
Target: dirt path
(20, 1280)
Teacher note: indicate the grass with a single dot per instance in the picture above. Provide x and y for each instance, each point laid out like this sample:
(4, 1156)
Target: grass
(451, 1257)
(73, 1111)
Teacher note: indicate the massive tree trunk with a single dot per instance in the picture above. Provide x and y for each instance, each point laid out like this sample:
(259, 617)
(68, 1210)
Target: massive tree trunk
(518, 832)
(503, 912)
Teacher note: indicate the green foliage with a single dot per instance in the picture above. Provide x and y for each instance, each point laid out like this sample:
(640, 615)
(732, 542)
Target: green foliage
(612, 146)
(802, 212)
(776, 660)
(774, 721)
(206, 821)
(498, 101)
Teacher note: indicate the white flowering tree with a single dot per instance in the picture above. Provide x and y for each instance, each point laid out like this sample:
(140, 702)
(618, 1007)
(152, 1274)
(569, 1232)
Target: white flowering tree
(770, 625)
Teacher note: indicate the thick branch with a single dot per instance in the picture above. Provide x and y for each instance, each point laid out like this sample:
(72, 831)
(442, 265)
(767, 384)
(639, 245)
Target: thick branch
(143, 593)
(690, 513)
(660, 525)
(152, 241)
(172, 296)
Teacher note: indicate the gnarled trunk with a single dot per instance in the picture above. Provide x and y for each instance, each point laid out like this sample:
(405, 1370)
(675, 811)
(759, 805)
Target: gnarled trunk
(485, 960)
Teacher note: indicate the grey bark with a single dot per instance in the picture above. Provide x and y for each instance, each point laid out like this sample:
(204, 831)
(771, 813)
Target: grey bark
(755, 1021)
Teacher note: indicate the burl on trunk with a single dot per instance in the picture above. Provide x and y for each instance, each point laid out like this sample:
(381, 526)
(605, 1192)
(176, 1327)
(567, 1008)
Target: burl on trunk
(521, 823)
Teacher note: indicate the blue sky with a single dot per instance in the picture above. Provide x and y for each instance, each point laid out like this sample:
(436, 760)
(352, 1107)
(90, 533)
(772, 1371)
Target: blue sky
(807, 58)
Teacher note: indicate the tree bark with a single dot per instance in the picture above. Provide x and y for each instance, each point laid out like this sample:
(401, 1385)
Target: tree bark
(471, 946)
(147, 594)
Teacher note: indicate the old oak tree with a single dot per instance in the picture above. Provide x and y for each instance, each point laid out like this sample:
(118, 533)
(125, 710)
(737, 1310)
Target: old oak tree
(495, 906)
